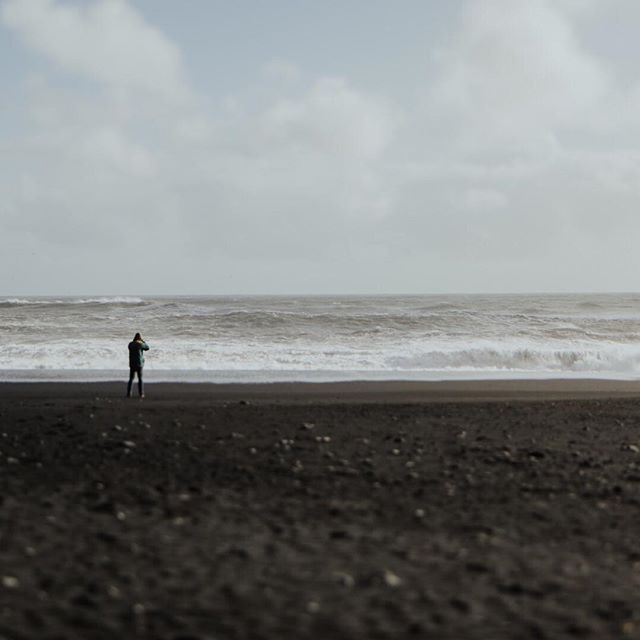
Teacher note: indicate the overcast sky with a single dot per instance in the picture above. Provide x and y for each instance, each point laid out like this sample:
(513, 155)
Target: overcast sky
(295, 146)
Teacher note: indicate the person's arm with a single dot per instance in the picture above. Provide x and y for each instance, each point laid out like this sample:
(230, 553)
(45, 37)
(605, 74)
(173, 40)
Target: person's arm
(145, 346)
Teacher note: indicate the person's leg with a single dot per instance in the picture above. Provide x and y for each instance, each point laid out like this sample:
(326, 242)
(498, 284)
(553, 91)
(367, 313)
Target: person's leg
(131, 374)
(140, 383)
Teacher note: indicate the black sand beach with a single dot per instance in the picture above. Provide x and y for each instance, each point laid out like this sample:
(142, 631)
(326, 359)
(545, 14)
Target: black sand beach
(368, 510)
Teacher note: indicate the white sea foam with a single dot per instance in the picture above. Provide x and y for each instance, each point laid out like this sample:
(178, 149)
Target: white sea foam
(404, 336)
(71, 301)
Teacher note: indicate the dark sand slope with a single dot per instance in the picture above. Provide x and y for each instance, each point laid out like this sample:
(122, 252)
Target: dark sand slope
(318, 515)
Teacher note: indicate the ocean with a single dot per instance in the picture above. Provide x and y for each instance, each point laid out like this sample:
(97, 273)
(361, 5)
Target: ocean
(322, 338)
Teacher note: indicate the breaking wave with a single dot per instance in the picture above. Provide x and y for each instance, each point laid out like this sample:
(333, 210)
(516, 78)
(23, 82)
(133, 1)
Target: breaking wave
(389, 336)
(186, 355)
(534, 360)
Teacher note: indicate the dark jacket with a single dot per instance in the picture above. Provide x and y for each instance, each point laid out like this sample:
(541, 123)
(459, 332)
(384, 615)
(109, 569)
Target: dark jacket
(136, 354)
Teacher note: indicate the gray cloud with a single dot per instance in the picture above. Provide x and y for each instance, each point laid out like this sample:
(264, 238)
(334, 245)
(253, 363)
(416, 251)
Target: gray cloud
(515, 170)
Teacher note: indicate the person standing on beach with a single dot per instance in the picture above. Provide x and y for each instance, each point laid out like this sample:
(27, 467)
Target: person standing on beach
(137, 347)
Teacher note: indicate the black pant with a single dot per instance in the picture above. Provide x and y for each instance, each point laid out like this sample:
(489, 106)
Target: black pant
(132, 373)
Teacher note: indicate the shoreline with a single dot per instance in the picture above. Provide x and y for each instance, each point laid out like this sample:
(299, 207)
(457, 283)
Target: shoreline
(343, 392)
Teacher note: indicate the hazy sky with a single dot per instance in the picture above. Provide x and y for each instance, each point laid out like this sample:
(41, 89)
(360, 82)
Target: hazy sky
(296, 146)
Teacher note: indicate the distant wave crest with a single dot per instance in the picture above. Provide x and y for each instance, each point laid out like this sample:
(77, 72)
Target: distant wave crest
(71, 301)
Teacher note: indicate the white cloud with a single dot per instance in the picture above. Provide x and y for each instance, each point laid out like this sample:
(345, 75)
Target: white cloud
(247, 181)
(520, 151)
(284, 70)
(293, 179)
(332, 118)
(514, 73)
(482, 200)
(105, 41)
(513, 159)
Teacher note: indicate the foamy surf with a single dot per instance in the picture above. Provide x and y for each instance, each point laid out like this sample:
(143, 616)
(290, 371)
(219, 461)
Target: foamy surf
(309, 338)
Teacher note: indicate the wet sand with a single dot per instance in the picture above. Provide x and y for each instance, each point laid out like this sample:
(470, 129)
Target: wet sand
(480, 510)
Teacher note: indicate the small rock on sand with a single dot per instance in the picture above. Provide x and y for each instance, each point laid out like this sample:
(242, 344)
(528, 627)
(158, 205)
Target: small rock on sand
(313, 606)
(391, 579)
(344, 579)
(10, 582)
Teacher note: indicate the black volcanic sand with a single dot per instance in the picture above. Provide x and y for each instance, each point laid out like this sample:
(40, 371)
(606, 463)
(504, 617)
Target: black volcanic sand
(198, 514)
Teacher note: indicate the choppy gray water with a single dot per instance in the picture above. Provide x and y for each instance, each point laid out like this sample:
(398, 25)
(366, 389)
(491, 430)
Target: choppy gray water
(324, 338)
